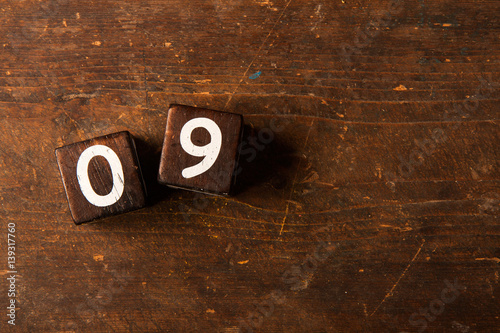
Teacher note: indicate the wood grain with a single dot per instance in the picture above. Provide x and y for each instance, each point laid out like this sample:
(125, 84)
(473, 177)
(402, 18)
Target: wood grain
(345, 167)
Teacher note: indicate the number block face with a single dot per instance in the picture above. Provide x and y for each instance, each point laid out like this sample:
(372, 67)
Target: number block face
(102, 177)
(200, 149)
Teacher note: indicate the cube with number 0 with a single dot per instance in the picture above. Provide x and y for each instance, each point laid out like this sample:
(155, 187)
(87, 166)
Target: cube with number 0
(200, 149)
(101, 176)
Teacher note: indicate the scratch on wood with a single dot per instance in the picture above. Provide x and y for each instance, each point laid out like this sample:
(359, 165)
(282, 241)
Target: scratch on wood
(295, 180)
(81, 95)
(284, 218)
(256, 55)
(495, 259)
(397, 282)
(318, 14)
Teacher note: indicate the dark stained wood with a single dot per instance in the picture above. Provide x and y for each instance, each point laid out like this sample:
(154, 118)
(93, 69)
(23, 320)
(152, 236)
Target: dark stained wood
(342, 223)
(110, 182)
(219, 151)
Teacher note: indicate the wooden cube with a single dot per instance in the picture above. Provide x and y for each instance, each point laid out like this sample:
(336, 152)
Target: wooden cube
(101, 176)
(200, 149)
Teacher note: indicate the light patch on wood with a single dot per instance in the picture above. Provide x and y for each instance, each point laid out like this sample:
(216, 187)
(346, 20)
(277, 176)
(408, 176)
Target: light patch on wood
(401, 229)
(98, 257)
(243, 262)
(475, 175)
(495, 259)
(97, 43)
(267, 3)
(400, 88)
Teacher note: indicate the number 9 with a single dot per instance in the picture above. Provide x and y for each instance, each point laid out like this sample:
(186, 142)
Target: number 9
(210, 151)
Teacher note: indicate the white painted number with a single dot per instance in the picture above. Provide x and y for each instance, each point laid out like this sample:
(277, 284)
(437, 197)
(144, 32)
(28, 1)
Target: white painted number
(116, 170)
(209, 151)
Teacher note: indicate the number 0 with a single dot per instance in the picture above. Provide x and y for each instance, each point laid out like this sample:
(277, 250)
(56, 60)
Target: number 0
(210, 151)
(84, 181)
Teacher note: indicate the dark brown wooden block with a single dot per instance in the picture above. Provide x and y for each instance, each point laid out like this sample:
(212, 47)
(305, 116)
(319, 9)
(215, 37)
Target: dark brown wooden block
(200, 149)
(101, 176)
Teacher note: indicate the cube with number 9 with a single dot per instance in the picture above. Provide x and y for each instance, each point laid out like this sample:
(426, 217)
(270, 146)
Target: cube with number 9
(200, 149)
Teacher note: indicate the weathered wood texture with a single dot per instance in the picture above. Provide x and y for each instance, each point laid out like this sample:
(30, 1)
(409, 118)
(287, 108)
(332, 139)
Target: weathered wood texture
(380, 184)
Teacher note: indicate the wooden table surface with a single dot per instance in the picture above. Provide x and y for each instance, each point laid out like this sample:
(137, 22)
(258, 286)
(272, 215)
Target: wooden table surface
(369, 194)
